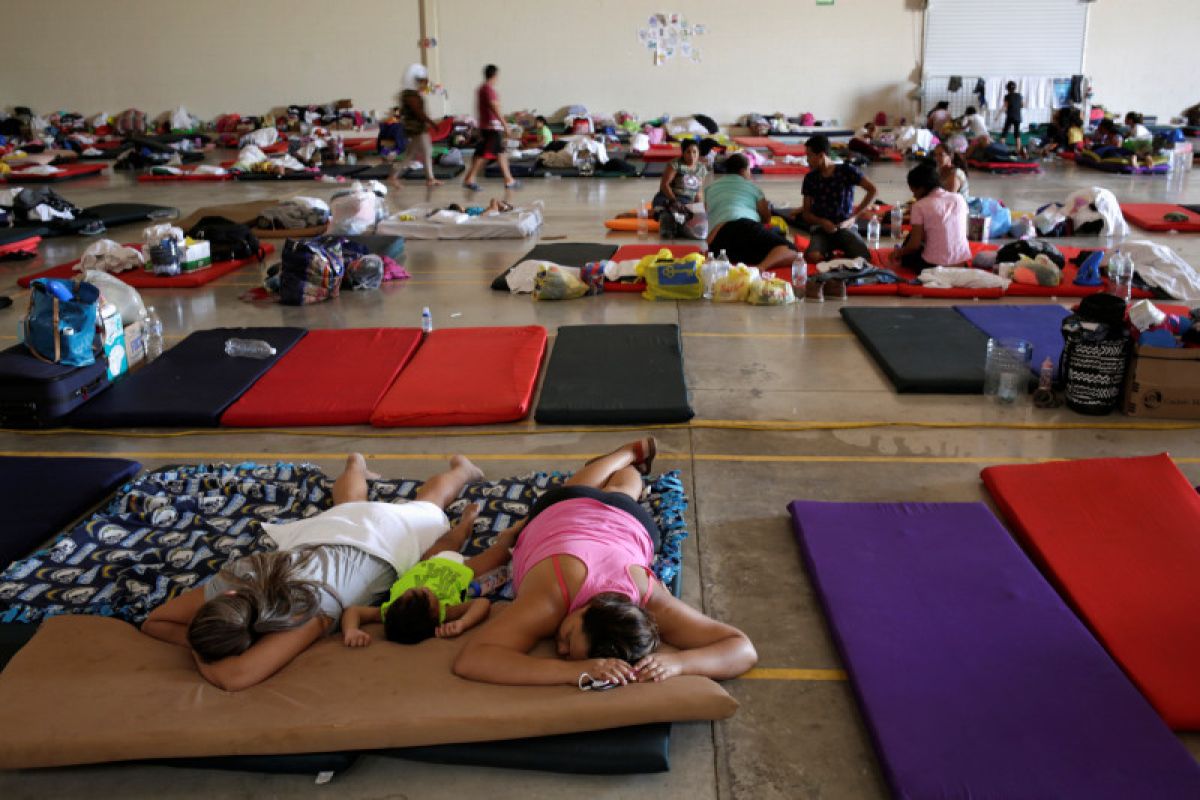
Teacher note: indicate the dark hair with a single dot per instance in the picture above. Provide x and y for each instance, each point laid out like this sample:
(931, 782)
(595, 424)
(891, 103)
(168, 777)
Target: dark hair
(686, 143)
(410, 619)
(818, 143)
(1011, 85)
(971, 110)
(490, 71)
(956, 158)
(924, 176)
(1135, 118)
(266, 597)
(942, 104)
(540, 118)
(707, 145)
(1106, 125)
(618, 628)
(736, 164)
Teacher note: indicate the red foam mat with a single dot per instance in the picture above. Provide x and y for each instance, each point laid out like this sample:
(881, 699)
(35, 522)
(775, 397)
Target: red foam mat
(1120, 537)
(1004, 166)
(331, 377)
(1149, 217)
(784, 169)
(65, 173)
(466, 376)
(27, 245)
(189, 174)
(141, 279)
(661, 152)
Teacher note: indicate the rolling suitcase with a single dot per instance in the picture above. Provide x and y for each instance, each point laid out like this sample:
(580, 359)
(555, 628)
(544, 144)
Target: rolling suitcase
(35, 394)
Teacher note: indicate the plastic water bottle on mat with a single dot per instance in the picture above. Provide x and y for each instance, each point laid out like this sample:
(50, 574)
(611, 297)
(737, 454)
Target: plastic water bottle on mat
(897, 223)
(152, 332)
(708, 275)
(799, 276)
(248, 348)
(874, 230)
(643, 219)
(490, 582)
(426, 320)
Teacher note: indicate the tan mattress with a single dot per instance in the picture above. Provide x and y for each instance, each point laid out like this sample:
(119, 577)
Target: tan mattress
(94, 689)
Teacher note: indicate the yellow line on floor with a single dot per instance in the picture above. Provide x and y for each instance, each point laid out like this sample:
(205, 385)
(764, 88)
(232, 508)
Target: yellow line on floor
(781, 674)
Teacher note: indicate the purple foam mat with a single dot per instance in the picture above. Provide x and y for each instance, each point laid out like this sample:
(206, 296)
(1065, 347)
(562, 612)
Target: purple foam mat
(1040, 325)
(974, 677)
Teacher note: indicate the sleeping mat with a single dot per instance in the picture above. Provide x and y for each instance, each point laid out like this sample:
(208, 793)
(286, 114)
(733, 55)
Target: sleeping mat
(1041, 326)
(1150, 217)
(567, 254)
(434, 388)
(1120, 537)
(922, 350)
(331, 377)
(615, 374)
(141, 279)
(975, 678)
(189, 385)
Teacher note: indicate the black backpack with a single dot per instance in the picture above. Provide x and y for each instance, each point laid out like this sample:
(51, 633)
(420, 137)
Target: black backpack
(227, 240)
(1032, 248)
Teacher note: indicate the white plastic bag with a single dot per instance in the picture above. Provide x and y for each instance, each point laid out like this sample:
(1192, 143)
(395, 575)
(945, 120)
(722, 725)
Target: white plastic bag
(108, 256)
(263, 137)
(353, 213)
(181, 120)
(154, 234)
(119, 293)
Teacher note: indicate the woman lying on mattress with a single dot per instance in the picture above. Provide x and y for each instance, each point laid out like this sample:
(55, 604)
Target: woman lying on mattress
(581, 571)
(263, 610)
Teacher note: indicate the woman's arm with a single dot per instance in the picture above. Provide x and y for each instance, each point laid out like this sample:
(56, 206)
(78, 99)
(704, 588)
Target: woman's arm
(664, 183)
(706, 647)
(265, 657)
(170, 621)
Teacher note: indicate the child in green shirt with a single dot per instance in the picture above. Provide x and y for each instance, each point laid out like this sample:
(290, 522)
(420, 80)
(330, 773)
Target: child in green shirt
(541, 129)
(430, 599)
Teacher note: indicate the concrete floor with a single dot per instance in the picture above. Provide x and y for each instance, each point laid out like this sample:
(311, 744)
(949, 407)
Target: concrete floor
(791, 738)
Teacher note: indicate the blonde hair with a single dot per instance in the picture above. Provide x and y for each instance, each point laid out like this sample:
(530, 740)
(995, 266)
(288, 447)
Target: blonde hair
(266, 597)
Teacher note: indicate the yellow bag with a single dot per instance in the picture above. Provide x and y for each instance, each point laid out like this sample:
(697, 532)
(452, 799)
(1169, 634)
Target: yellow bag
(669, 278)
(770, 291)
(734, 285)
(554, 283)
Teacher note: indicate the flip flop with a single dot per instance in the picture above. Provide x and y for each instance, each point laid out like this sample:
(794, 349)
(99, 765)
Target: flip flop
(644, 451)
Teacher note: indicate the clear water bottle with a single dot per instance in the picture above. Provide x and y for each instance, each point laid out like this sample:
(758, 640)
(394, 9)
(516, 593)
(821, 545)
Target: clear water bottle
(799, 275)
(723, 264)
(1120, 275)
(643, 219)
(874, 229)
(248, 348)
(897, 223)
(152, 334)
(426, 320)
(708, 275)
(490, 582)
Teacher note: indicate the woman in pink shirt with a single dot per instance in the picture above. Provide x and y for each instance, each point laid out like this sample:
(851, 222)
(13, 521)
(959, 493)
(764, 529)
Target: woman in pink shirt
(582, 574)
(939, 224)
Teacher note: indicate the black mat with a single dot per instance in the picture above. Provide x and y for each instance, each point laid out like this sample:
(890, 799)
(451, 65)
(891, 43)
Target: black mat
(343, 170)
(291, 175)
(376, 172)
(519, 169)
(923, 350)
(41, 496)
(567, 254)
(109, 214)
(439, 172)
(573, 172)
(190, 385)
(654, 169)
(615, 374)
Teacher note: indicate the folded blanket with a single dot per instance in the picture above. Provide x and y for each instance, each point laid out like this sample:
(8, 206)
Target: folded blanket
(962, 278)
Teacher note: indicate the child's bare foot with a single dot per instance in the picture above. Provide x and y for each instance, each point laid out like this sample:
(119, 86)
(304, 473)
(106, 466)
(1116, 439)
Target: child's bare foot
(461, 462)
(359, 461)
(433, 182)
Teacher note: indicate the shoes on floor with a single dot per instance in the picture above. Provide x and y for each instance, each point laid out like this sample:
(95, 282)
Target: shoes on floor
(836, 289)
(814, 291)
(471, 187)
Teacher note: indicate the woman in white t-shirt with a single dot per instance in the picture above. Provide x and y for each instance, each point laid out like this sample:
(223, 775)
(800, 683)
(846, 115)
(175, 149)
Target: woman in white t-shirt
(974, 124)
(263, 610)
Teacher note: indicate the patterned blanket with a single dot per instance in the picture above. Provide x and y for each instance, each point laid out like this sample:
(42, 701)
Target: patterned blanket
(174, 528)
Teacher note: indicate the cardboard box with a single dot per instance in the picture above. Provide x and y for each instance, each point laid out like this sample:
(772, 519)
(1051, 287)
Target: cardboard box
(135, 344)
(1164, 383)
(196, 255)
(114, 341)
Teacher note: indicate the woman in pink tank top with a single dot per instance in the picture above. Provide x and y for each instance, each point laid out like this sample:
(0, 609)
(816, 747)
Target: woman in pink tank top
(582, 574)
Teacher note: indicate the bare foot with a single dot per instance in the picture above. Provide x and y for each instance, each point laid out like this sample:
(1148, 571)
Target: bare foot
(359, 461)
(461, 462)
(434, 182)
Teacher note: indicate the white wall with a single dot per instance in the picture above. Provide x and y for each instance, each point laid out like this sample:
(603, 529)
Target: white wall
(1143, 56)
(214, 56)
(845, 61)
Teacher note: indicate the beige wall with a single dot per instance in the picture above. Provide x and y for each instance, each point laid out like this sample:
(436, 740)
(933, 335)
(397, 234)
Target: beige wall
(1143, 56)
(213, 56)
(846, 61)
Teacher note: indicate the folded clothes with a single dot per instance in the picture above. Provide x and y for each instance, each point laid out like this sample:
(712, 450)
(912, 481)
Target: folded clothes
(962, 278)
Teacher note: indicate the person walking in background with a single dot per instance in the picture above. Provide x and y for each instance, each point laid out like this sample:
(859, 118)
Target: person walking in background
(416, 122)
(491, 131)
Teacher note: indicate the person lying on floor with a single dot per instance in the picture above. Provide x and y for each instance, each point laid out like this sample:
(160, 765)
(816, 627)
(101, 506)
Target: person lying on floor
(264, 609)
(829, 213)
(939, 224)
(738, 215)
(582, 574)
(430, 599)
(985, 148)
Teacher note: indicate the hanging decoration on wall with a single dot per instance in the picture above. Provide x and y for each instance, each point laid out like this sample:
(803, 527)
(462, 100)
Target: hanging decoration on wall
(669, 35)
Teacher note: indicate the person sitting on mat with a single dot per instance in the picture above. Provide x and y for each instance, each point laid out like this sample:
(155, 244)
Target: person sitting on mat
(541, 130)
(417, 124)
(987, 149)
(582, 574)
(264, 609)
(952, 168)
(973, 123)
(939, 224)
(738, 216)
(938, 117)
(491, 145)
(864, 142)
(430, 599)
(828, 212)
(682, 184)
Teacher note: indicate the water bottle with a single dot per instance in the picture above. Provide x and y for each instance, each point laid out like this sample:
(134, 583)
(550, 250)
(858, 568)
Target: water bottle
(897, 223)
(490, 582)
(708, 275)
(426, 321)
(643, 220)
(723, 265)
(799, 275)
(873, 231)
(248, 348)
(152, 334)
(1120, 275)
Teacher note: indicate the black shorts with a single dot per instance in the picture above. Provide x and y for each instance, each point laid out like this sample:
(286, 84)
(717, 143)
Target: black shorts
(747, 241)
(617, 500)
(491, 144)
